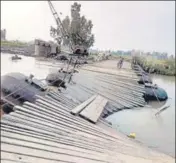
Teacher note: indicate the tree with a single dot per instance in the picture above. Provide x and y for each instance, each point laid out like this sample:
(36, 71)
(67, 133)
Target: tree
(79, 29)
(66, 24)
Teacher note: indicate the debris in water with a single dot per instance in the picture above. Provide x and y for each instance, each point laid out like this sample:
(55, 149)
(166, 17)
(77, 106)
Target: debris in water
(162, 109)
(132, 135)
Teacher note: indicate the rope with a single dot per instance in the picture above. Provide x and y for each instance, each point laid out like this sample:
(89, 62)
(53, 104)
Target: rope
(24, 95)
(152, 90)
(58, 21)
(19, 89)
(27, 85)
(155, 93)
(63, 80)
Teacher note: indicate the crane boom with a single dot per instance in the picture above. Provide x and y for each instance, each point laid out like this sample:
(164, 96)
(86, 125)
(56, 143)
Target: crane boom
(64, 33)
(77, 49)
(54, 12)
(56, 17)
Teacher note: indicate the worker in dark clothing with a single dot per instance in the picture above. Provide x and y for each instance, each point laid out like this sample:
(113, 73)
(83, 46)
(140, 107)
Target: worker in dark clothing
(120, 63)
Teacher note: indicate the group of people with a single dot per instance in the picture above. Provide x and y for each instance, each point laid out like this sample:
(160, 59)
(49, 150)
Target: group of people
(120, 63)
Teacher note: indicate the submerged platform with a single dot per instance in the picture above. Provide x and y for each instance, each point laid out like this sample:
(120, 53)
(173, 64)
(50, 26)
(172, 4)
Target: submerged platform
(47, 132)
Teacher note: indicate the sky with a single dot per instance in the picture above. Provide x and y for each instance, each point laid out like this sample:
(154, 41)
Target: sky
(118, 25)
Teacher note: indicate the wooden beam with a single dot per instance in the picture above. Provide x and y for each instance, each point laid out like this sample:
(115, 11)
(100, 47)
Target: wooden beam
(80, 107)
(93, 111)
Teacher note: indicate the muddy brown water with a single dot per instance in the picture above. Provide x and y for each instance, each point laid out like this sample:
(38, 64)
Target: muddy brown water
(155, 132)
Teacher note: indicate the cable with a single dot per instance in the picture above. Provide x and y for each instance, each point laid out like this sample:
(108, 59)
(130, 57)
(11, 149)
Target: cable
(59, 23)
(24, 95)
(155, 92)
(19, 89)
(27, 85)
(63, 80)
(66, 72)
(22, 88)
(152, 90)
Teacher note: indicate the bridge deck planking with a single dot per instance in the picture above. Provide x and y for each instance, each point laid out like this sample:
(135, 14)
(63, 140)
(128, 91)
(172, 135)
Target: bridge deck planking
(48, 124)
(94, 109)
(80, 107)
(38, 125)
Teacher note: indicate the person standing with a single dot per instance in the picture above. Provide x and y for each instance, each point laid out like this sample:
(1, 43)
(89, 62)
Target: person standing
(120, 63)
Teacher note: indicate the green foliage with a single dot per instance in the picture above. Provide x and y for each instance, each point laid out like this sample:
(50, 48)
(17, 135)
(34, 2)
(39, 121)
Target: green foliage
(78, 28)
(164, 67)
(13, 43)
(126, 57)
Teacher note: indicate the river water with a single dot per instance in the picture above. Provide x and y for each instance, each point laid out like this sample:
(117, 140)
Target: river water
(156, 132)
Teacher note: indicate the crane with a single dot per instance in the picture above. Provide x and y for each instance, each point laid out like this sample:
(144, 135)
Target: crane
(60, 32)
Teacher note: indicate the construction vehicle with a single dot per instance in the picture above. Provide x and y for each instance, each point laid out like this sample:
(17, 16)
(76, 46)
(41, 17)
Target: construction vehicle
(60, 33)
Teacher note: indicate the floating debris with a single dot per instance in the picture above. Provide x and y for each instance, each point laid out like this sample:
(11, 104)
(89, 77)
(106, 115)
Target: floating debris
(132, 135)
(162, 109)
(16, 57)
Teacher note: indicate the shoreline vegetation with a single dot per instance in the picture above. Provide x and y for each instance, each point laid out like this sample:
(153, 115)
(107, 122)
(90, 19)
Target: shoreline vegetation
(156, 66)
(149, 64)
(17, 47)
(13, 43)
(152, 65)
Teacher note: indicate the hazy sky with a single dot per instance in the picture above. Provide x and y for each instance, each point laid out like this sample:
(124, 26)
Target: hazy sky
(118, 25)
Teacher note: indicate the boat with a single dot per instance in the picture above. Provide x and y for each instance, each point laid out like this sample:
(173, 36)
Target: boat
(154, 93)
(16, 57)
(145, 79)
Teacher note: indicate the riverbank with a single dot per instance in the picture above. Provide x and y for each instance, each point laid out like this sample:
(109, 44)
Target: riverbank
(17, 47)
(156, 66)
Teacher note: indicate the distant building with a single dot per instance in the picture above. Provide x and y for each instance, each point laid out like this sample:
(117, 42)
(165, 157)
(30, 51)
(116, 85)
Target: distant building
(43, 48)
(3, 35)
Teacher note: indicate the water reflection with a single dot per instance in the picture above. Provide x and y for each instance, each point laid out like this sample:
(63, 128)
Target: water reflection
(27, 66)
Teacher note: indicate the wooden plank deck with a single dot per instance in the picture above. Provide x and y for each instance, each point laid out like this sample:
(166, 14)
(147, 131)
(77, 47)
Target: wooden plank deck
(93, 111)
(47, 132)
(80, 107)
(119, 87)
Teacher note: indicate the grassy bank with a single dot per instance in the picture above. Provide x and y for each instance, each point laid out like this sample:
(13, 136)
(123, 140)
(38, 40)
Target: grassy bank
(152, 65)
(126, 57)
(13, 43)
